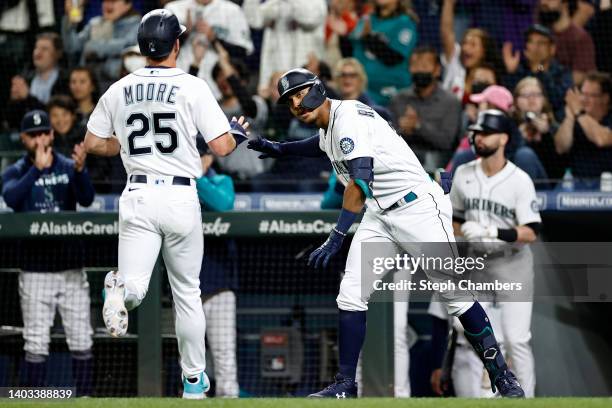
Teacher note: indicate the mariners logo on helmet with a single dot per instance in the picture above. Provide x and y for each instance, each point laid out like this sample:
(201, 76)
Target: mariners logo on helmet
(284, 83)
(152, 46)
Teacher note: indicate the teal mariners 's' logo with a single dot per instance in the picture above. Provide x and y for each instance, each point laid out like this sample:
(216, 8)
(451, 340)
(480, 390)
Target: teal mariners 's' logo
(347, 145)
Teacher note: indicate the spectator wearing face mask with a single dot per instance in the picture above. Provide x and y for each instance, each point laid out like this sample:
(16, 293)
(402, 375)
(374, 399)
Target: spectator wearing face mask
(427, 116)
(574, 45)
(131, 60)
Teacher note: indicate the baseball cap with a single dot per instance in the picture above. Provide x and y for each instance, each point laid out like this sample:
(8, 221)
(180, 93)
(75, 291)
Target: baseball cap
(492, 121)
(496, 95)
(35, 121)
(539, 29)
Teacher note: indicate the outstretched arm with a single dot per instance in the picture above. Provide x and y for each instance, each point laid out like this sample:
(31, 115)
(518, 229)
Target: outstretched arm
(306, 148)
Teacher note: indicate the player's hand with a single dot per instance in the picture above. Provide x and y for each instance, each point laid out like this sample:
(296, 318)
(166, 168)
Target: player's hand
(79, 154)
(44, 155)
(238, 129)
(436, 382)
(322, 255)
(446, 181)
(473, 230)
(265, 146)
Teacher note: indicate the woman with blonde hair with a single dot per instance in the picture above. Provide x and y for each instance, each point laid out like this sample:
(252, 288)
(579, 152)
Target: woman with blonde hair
(351, 82)
(536, 123)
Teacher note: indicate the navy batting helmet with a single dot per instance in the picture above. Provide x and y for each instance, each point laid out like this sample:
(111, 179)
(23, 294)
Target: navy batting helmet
(158, 32)
(298, 79)
(490, 121)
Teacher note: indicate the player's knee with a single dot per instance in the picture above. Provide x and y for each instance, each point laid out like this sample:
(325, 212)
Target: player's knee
(351, 303)
(458, 308)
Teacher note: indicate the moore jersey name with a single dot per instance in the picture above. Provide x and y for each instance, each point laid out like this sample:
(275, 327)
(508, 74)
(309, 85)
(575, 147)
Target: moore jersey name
(156, 114)
(356, 130)
(150, 92)
(505, 200)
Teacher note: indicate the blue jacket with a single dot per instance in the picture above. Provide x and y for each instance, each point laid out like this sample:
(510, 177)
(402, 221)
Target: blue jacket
(57, 188)
(220, 265)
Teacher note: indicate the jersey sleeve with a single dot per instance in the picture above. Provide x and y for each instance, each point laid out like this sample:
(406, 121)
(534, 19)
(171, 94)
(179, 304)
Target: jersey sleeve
(456, 195)
(527, 208)
(100, 122)
(209, 118)
(351, 132)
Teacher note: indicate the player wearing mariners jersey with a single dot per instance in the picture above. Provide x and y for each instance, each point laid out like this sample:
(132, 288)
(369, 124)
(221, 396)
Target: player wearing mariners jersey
(155, 114)
(52, 277)
(403, 205)
(494, 202)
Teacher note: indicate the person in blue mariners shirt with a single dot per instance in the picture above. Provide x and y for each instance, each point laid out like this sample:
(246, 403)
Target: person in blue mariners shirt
(51, 276)
(45, 180)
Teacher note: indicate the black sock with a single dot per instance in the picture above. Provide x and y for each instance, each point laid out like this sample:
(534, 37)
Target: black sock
(82, 374)
(351, 334)
(35, 373)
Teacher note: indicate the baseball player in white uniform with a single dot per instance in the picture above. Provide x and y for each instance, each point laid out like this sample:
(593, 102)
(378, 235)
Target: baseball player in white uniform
(152, 117)
(403, 205)
(494, 203)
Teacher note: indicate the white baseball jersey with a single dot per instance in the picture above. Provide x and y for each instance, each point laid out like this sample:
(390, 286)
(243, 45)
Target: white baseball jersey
(356, 130)
(504, 200)
(156, 114)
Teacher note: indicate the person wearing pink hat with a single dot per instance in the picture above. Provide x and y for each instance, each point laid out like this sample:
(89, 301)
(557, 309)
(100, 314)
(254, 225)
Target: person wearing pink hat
(498, 97)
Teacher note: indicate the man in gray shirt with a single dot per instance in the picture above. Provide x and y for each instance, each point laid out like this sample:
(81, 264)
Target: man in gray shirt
(427, 116)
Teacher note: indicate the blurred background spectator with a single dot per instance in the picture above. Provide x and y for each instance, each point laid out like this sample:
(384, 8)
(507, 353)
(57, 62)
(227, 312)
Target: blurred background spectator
(459, 60)
(574, 46)
(427, 116)
(232, 78)
(20, 22)
(33, 88)
(291, 32)
(210, 22)
(538, 60)
(67, 130)
(537, 125)
(351, 83)
(101, 41)
(586, 132)
(341, 21)
(383, 42)
(84, 91)
(602, 32)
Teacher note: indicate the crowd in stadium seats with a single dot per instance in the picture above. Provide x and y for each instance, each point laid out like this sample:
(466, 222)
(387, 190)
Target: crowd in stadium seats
(427, 66)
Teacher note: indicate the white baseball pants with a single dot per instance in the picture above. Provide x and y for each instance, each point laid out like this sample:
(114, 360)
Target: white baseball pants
(167, 217)
(220, 312)
(41, 294)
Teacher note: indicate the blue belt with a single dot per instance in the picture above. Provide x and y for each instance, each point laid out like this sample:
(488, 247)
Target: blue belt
(411, 196)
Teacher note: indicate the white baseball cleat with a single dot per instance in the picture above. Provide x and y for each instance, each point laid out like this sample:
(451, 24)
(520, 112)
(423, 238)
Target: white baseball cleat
(114, 313)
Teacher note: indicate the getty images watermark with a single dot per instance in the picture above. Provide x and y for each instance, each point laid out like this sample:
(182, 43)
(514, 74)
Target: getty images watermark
(488, 271)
